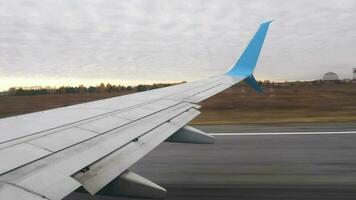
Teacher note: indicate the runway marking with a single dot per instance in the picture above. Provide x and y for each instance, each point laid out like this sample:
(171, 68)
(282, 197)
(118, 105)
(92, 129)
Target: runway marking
(283, 133)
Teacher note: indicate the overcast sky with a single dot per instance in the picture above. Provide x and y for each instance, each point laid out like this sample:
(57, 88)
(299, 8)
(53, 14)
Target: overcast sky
(55, 42)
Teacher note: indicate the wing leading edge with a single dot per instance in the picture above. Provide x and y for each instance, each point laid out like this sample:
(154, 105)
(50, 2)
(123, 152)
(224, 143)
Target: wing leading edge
(91, 146)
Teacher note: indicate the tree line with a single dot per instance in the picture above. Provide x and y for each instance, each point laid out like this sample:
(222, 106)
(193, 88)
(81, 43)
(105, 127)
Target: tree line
(110, 88)
(102, 88)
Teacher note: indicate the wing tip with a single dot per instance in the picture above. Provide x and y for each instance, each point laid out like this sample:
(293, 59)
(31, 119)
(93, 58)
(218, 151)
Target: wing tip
(268, 22)
(247, 62)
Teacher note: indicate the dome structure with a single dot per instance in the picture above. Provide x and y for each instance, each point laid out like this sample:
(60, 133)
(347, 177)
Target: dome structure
(330, 76)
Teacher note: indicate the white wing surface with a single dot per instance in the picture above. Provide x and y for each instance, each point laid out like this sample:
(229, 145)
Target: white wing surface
(89, 147)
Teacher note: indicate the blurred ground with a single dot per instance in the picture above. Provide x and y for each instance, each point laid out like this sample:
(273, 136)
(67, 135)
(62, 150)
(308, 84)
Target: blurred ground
(254, 167)
(276, 127)
(278, 104)
(295, 102)
(15, 105)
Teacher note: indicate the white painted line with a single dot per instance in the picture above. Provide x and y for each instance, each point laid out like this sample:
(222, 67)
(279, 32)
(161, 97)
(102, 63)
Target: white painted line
(284, 133)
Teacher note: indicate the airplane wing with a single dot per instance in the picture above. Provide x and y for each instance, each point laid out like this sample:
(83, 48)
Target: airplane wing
(89, 147)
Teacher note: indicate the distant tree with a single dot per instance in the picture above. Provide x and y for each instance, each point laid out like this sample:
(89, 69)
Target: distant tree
(121, 88)
(62, 90)
(42, 92)
(12, 91)
(91, 89)
(141, 88)
(82, 89)
(155, 86)
(129, 88)
(70, 90)
(109, 88)
(266, 83)
(101, 88)
(19, 92)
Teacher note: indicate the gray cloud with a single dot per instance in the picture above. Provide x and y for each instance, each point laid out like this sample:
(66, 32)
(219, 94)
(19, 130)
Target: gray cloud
(173, 40)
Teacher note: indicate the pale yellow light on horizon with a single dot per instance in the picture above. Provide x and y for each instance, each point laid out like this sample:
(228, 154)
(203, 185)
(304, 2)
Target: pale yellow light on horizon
(8, 82)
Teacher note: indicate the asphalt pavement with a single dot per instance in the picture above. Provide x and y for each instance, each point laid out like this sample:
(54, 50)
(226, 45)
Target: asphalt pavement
(255, 167)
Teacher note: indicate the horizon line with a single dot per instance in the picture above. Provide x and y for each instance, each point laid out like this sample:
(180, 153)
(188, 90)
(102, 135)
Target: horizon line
(53, 87)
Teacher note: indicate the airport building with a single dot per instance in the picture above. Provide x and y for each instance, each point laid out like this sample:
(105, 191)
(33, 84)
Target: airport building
(331, 76)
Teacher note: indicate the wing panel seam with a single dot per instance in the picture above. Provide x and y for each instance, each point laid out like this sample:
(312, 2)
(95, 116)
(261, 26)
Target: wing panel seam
(24, 189)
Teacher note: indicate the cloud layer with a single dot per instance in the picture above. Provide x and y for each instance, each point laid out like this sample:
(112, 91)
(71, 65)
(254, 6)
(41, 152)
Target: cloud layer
(173, 40)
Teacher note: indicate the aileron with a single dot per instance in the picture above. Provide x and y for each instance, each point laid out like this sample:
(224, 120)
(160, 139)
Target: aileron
(105, 170)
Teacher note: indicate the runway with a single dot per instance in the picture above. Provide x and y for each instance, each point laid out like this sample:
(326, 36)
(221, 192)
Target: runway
(242, 166)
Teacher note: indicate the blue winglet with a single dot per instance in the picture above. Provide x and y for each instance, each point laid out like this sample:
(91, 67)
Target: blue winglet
(251, 81)
(247, 61)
